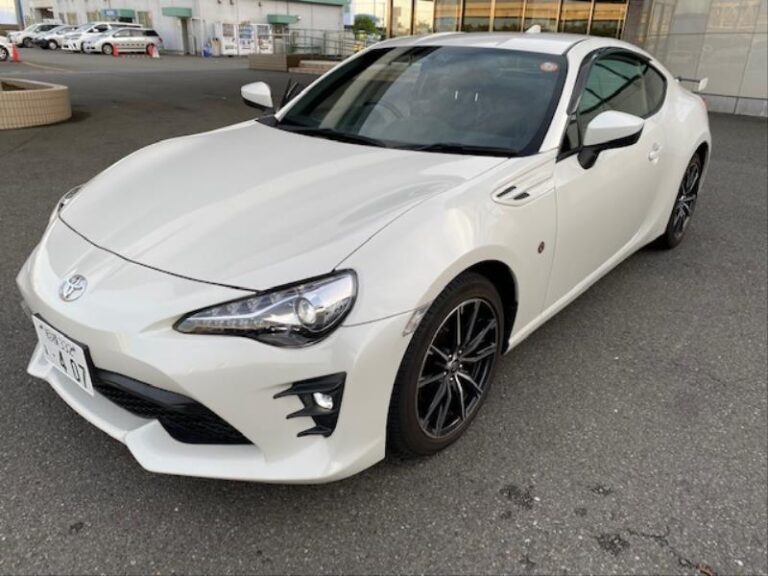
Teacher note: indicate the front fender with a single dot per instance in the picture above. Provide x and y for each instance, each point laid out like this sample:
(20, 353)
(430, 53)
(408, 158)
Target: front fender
(410, 262)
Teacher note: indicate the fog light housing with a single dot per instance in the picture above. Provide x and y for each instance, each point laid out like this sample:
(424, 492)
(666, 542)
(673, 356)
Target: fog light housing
(321, 398)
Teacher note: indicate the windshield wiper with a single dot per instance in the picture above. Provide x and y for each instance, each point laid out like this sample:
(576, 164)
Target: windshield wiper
(331, 134)
(458, 148)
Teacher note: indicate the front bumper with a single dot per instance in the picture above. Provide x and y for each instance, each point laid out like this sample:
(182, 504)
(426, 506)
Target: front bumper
(125, 318)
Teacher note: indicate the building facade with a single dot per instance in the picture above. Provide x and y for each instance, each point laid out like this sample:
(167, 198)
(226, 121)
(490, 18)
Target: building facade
(724, 40)
(189, 25)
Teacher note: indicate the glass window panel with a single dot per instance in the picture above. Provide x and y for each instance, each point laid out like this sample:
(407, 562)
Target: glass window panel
(508, 16)
(661, 17)
(425, 13)
(477, 16)
(543, 13)
(401, 18)
(614, 83)
(608, 18)
(755, 83)
(690, 17)
(375, 8)
(574, 16)
(447, 15)
(733, 15)
(723, 59)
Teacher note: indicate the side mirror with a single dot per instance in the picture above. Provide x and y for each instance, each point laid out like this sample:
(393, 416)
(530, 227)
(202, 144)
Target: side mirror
(609, 130)
(257, 95)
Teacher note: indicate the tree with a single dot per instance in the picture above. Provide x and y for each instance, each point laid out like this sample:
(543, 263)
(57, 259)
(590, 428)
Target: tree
(365, 23)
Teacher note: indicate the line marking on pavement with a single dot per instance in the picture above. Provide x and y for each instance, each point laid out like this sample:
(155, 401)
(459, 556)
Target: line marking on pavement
(44, 67)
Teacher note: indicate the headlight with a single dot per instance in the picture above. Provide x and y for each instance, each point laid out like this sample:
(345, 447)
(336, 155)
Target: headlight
(295, 316)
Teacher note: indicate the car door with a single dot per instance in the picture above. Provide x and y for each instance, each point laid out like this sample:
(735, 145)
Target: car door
(601, 210)
(139, 39)
(122, 39)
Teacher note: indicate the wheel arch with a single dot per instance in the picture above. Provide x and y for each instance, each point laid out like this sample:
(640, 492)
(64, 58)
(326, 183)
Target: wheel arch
(503, 279)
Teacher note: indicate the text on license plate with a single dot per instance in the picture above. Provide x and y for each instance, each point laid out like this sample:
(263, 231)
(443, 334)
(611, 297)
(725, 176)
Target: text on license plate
(64, 354)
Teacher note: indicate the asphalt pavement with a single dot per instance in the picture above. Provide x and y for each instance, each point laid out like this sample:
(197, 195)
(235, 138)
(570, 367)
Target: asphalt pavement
(627, 435)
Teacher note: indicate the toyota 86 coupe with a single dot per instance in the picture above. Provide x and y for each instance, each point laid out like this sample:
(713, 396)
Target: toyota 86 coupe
(294, 296)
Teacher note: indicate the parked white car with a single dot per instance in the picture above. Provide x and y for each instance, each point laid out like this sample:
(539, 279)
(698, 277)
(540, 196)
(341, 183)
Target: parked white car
(74, 41)
(126, 40)
(6, 49)
(54, 38)
(292, 296)
(26, 37)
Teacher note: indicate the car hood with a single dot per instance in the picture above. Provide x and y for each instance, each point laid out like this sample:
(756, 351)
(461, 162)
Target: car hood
(252, 206)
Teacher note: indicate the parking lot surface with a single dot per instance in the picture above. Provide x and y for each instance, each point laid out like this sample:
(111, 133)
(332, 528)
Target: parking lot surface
(628, 435)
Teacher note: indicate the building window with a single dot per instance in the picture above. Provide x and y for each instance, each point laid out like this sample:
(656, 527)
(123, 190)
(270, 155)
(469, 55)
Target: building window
(597, 17)
(144, 18)
(477, 16)
(447, 15)
(508, 16)
(425, 13)
(92, 16)
(608, 18)
(402, 15)
(574, 16)
(71, 18)
(542, 12)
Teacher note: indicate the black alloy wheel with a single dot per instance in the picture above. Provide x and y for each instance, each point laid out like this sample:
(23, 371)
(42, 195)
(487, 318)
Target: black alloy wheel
(685, 204)
(448, 367)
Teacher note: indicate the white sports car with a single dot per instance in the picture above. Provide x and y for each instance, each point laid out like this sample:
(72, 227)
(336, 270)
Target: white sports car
(294, 295)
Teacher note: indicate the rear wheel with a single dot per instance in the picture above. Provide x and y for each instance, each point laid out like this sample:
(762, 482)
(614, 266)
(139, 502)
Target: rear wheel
(53, 45)
(3, 54)
(448, 367)
(107, 49)
(685, 204)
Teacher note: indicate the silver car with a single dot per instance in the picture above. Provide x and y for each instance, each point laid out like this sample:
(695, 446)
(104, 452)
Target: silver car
(53, 39)
(75, 41)
(124, 40)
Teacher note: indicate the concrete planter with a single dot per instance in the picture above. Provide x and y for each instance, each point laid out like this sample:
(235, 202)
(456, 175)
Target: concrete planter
(25, 103)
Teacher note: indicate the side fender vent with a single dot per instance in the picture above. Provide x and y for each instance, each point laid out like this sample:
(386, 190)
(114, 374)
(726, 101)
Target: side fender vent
(321, 398)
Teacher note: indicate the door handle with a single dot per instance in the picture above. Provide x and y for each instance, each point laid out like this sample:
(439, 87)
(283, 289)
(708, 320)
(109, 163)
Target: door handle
(655, 152)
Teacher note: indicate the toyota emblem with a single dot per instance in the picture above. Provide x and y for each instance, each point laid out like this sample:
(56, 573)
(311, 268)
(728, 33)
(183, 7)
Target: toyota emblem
(73, 287)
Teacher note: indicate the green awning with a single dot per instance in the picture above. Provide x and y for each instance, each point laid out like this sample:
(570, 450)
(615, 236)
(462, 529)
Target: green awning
(118, 13)
(177, 12)
(282, 19)
(327, 2)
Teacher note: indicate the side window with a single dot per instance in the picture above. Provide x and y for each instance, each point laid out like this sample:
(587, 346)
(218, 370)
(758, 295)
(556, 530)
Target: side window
(123, 34)
(615, 82)
(655, 88)
(100, 28)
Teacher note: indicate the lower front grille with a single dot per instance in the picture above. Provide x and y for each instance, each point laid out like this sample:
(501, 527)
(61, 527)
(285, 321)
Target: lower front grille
(183, 418)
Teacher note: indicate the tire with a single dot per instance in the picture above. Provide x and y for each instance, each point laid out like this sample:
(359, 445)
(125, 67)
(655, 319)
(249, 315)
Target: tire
(107, 49)
(3, 54)
(53, 45)
(684, 207)
(433, 382)
(27, 43)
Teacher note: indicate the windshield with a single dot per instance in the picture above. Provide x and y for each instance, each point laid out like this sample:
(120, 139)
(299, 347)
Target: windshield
(436, 98)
